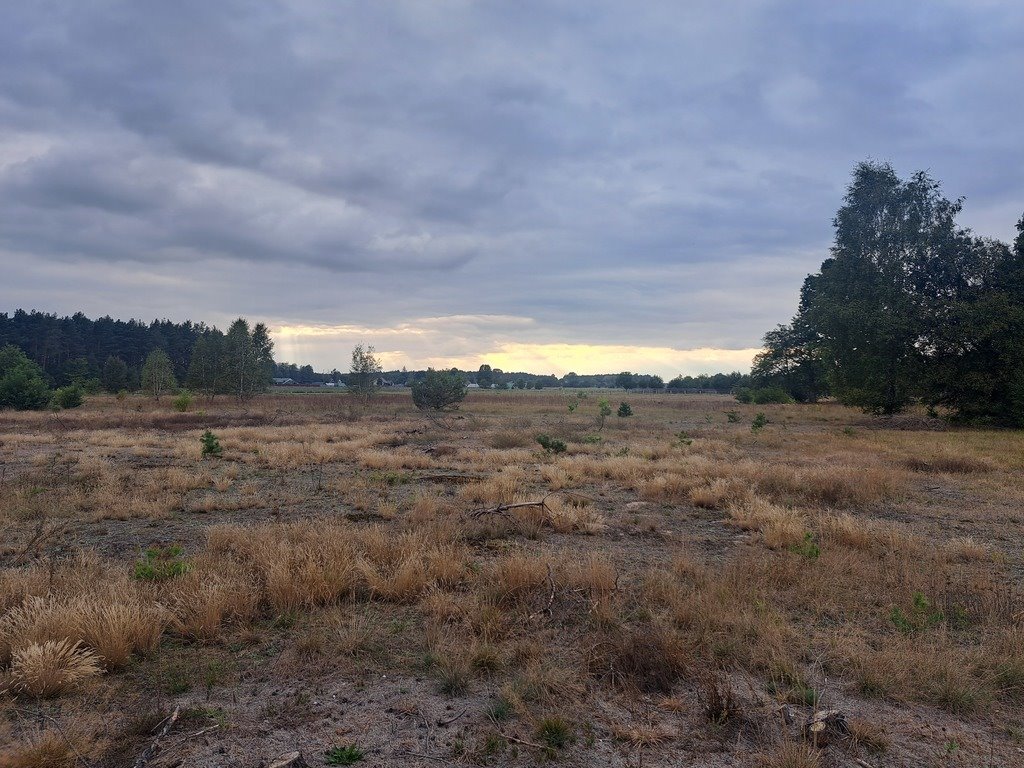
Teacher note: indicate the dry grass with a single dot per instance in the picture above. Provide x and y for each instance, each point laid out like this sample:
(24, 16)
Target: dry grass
(48, 669)
(707, 576)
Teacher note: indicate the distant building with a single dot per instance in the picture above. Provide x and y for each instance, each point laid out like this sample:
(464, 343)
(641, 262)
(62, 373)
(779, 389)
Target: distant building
(285, 382)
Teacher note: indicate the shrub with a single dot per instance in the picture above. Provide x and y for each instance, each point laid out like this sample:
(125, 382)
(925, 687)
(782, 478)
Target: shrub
(760, 422)
(161, 563)
(67, 397)
(551, 444)
(347, 755)
(22, 385)
(770, 395)
(624, 410)
(603, 411)
(744, 395)
(182, 402)
(211, 445)
(555, 732)
(439, 390)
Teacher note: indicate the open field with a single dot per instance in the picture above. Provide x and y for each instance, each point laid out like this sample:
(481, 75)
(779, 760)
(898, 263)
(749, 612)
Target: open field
(691, 592)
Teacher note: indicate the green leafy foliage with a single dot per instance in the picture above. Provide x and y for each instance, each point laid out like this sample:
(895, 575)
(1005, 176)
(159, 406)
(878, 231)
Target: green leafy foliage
(161, 564)
(346, 755)
(158, 374)
(22, 385)
(210, 445)
(364, 372)
(554, 732)
(922, 615)
(182, 402)
(759, 423)
(70, 396)
(807, 548)
(624, 410)
(909, 306)
(551, 444)
(439, 390)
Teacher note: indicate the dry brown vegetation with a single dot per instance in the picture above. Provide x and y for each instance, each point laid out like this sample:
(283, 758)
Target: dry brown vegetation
(348, 574)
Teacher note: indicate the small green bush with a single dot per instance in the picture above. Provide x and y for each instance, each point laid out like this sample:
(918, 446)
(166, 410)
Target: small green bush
(211, 445)
(555, 732)
(347, 755)
(807, 548)
(744, 395)
(760, 422)
(70, 396)
(551, 444)
(624, 410)
(182, 402)
(732, 417)
(161, 563)
(771, 395)
(923, 615)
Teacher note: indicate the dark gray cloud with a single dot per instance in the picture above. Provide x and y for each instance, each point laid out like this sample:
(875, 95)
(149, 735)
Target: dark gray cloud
(650, 173)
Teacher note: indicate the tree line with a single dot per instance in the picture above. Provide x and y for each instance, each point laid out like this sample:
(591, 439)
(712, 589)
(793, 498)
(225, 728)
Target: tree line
(909, 307)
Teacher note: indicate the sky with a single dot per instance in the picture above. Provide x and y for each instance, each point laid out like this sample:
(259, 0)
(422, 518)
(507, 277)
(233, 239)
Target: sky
(541, 186)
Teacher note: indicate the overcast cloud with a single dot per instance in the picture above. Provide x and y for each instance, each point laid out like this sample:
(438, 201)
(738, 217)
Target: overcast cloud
(548, 184)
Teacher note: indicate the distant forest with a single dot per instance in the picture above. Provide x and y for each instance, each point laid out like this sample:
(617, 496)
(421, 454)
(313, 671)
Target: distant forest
(76, 349)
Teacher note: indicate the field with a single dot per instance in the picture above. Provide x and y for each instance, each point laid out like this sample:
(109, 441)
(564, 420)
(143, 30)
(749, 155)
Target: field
(675, 588)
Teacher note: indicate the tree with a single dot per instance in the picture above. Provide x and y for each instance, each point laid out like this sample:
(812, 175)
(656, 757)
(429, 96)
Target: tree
(365, 370)
(892, 259)
(790, 362)
(22, 385)
(485, 377)
(158, 374)
(908, 306)
(263, 357)
(206, 369)
(247, 363)
(439, 390)
(115, 375)
(625, 380)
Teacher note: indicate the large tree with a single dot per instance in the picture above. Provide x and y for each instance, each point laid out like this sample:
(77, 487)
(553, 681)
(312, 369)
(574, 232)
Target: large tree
(247, 362)
(893, 258)
(115, 374)
(909, 306)
(158, 374)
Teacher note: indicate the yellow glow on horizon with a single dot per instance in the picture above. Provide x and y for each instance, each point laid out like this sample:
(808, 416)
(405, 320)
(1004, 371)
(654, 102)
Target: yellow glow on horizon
(418, 345)
(560, 359)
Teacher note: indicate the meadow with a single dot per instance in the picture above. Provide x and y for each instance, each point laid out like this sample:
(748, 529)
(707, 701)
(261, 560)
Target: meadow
(367, 584)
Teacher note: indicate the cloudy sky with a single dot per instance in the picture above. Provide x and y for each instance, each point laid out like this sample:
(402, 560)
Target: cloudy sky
(547, 186)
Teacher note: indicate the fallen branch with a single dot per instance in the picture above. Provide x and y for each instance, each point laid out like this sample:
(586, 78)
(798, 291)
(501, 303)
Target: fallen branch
(448, 478)
(451, 720)
(154, 748)
(524, 742)
(423, 755)
(503, 508)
